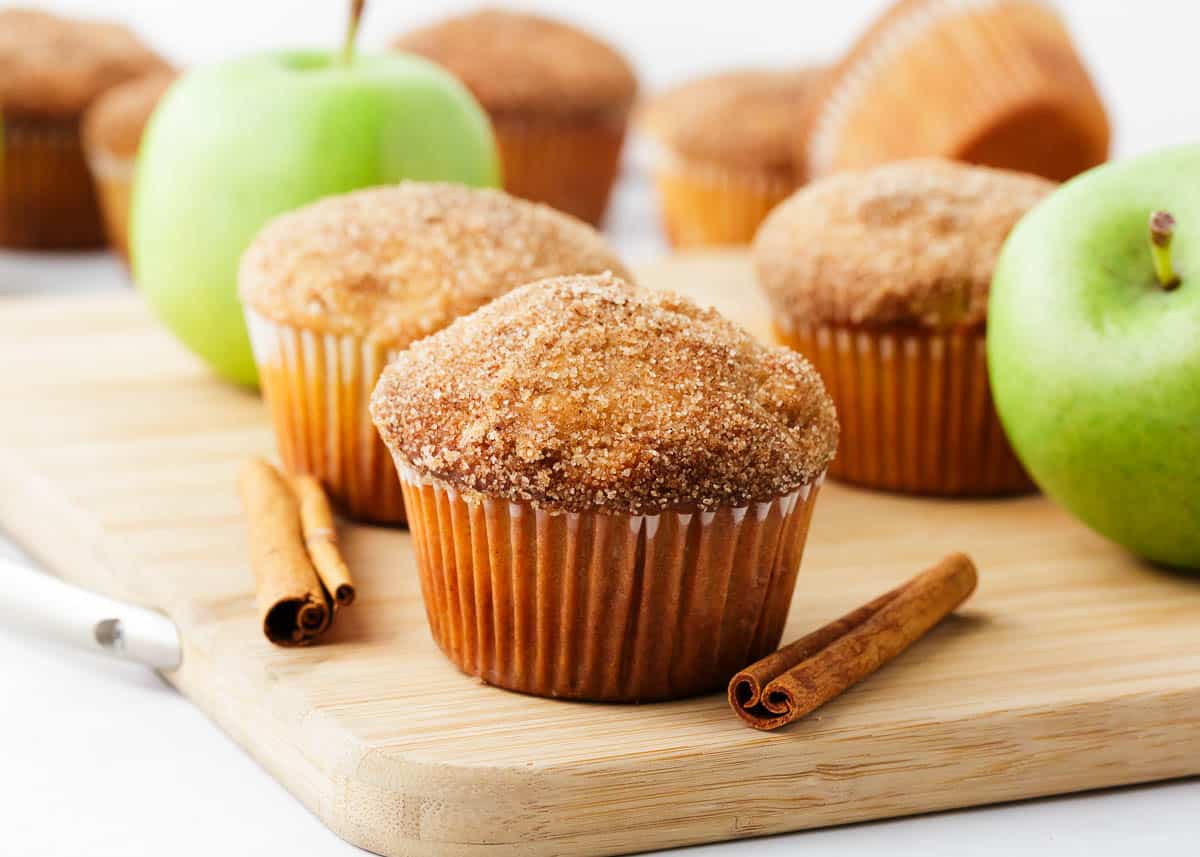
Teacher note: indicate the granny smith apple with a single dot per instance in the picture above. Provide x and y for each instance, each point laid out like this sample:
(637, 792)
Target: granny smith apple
(232, 145)
(1094, 351)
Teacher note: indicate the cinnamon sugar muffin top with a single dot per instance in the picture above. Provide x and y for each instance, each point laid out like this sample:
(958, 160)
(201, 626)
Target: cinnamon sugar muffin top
(584, 393)
(913, 242)
(115, 121)
(515, 63)
(53, 67)
(745, 117)
(394, 264)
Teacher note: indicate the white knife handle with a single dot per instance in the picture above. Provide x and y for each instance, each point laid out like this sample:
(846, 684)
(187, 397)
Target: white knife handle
(48, 607)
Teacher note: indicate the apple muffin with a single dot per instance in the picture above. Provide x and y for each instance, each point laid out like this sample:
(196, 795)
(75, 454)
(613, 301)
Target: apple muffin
(995, 83)
(558, 98)
(609, 490)
(881, 279)
(334, 290)
(725, 151)
(51, 69)
(112, 132)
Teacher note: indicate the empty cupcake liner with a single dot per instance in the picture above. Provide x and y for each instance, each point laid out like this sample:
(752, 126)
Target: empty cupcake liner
(570, 165)
(915, 409)
(998, 82)
(318, 387)
(706, 204)
(598, 606)
(46, 196)
(113, 177)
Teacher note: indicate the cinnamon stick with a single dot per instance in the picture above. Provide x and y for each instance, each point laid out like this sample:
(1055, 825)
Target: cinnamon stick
(804, 675)
(320, 538)
(293, 605)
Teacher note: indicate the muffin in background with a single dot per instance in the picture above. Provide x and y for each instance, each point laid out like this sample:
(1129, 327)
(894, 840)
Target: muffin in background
(996, 83)
(112, 132)
(881, 279)
(558, 98)
(725, 151)
(334, 290)
(51, 69)
(609, 490)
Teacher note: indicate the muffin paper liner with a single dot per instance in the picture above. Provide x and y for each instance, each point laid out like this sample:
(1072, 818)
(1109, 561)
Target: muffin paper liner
(46, 196)
(915, 409)
(568, 165)
(113, 178)
(598, 606)
(704, 204)
(318, 387)
(999, 83)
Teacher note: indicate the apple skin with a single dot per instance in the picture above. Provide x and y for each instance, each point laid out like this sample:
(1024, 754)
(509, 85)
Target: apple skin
(1095, 368)
(233, 145)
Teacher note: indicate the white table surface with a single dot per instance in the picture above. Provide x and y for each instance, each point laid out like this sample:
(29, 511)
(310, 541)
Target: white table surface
(103, 758)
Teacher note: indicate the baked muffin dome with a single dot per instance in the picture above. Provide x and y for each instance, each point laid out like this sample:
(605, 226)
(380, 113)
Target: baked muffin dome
(910, 243)
(583, 393)
(517, 62)
(114, 123)
(744, 117)
(394, 264)
(52, 66)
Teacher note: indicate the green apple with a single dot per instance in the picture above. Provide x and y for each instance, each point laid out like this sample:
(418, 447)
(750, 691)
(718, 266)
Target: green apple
(1094, 351)
(232, 145)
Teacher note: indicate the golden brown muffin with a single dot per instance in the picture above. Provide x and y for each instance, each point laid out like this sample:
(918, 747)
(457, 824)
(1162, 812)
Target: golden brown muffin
(51, 69)
(559, 101)
(881, 278)
(335, 289)
(726, 151)
(624, 470)
(112, 133)
(997, 83)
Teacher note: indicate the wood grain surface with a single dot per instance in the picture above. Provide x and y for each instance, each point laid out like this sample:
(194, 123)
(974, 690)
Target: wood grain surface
(1073, 667)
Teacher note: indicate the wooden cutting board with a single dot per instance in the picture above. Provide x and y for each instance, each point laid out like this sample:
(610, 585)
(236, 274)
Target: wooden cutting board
(1074, 667)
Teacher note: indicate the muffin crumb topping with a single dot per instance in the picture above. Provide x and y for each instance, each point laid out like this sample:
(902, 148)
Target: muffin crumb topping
(394, 264)
(579, 393)
(913, 242)
(516, 62)
(52, 66)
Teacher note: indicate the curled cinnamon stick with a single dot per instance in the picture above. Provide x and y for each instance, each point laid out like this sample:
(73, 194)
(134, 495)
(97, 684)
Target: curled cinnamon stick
(320, 538)
(804, 675)
(291, 600)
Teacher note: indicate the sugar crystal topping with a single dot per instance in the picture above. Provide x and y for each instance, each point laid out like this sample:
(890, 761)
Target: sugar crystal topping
(582, 392)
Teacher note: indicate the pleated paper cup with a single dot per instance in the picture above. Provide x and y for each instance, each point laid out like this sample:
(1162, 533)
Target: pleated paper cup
(317, 387)
(915, 408)
(706, 204)
(570, 165)
(604, 607)
(113, 177)
(994, 82)
(46, 197)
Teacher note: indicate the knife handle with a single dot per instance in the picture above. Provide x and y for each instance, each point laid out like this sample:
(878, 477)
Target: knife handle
(53, 609)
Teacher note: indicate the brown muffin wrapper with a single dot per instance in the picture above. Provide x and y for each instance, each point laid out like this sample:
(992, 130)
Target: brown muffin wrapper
(318, 387)
(605, 607)
(709, 205)
(46, 197)
(915, 409)
(113, 178)
(999, 83)
(570, 165)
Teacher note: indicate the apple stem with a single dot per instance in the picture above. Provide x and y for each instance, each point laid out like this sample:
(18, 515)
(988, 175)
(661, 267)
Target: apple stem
(356, 12)
(1162, 231)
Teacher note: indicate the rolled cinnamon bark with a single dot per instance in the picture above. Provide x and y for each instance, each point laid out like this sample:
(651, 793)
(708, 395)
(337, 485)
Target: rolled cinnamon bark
(293, 605)
(320, 538)
(804, 675)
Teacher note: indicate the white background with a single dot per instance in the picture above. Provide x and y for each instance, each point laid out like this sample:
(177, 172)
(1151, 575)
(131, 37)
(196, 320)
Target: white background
(102, 758)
